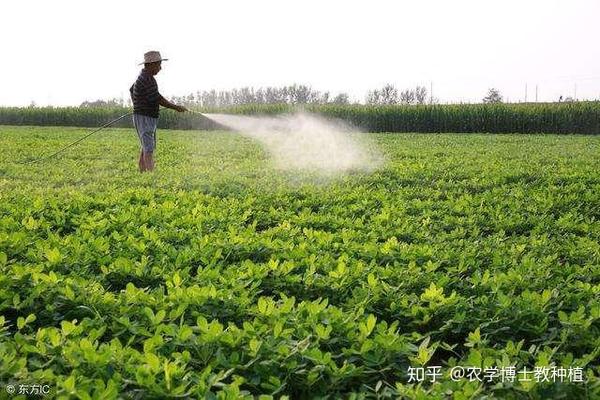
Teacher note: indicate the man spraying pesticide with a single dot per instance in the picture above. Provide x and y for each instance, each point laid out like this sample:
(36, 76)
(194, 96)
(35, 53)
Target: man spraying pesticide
(146, 101)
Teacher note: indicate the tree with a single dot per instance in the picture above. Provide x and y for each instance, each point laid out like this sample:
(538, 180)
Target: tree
(275, 95)
(224, 98)
(209, 99)
(420, 94)
(324, 98)
(101, 103)
(301, 94)
(407, 96)
(372, 97)
(493, 96)
(386, 95)
(190, 100)
(341, 98)
(389, 94)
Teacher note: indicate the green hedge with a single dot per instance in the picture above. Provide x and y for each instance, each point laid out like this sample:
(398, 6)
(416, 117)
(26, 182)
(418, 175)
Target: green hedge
(577, 117)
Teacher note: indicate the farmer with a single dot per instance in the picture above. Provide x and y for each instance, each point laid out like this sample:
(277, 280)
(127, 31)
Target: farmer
(146, 101)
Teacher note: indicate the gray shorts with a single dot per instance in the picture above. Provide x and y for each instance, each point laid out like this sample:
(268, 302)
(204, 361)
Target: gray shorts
(146, 130)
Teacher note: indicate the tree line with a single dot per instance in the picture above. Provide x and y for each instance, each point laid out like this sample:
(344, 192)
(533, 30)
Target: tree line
(291, 94)
(299, 94)
(389, 94)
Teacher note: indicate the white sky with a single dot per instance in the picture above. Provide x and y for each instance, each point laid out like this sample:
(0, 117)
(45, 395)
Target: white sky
(63, 52)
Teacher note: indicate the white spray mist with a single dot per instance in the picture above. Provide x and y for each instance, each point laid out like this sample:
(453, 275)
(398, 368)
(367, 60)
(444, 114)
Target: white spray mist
(305, 141)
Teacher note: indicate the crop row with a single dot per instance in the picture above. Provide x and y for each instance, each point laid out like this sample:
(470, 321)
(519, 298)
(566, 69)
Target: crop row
(564, 118)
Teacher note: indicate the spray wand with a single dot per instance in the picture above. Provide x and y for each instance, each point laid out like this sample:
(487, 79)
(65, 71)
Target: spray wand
(87, 136)
(78, 140)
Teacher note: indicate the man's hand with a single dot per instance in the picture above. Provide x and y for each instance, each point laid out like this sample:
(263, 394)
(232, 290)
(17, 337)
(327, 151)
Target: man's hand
(166, 103)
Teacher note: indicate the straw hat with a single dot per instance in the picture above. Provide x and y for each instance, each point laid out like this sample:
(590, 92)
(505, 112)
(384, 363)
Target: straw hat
(152, 56)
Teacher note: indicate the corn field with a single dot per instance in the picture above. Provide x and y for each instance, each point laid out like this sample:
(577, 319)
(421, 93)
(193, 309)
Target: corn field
(562, 118)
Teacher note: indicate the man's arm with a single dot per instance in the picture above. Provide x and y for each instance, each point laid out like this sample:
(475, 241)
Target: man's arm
(166, 103)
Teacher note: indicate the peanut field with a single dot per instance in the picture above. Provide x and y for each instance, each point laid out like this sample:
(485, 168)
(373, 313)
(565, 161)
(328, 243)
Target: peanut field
(220, 276)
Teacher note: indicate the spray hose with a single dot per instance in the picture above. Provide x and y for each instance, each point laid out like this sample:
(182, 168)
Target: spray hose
(78, 140)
